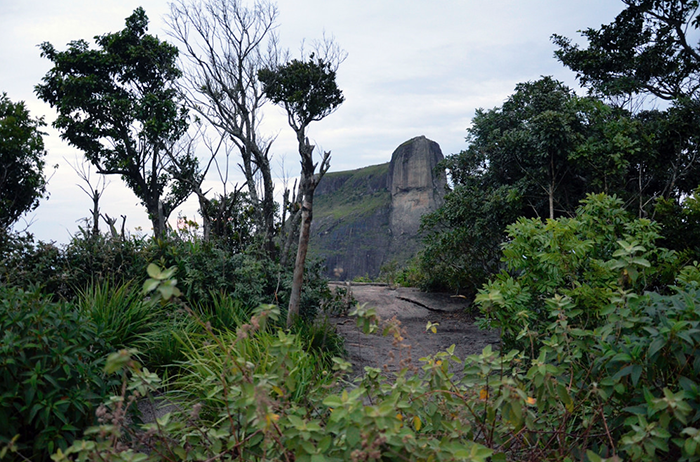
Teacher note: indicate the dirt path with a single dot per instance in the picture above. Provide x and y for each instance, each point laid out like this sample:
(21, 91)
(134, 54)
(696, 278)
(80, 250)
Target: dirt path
(413, 309)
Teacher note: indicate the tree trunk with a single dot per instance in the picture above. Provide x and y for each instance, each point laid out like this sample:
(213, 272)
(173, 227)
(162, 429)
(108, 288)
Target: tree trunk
(299, 263)
(268, 208)
(309, 181)
(551, 202)
(95, 213)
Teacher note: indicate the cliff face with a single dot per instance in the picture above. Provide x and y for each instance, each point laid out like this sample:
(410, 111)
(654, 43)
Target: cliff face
(368, 217)
(415, 191)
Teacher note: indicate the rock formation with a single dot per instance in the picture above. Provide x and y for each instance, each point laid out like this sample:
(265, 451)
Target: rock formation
(368, 217)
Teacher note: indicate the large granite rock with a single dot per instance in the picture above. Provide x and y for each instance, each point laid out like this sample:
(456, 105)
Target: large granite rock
(368, 217)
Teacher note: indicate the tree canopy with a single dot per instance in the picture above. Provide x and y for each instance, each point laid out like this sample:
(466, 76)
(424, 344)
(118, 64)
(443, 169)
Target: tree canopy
(119, 105)
(306, 89)
(537, 156)
(22, 180)
(226, 43)
(647, 49)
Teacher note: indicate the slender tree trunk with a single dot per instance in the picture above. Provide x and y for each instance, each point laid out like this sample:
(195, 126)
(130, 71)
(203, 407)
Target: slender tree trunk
(96, 213)
(268, 208)
(299, 263)
(551, 202)
(309, 181)
(551, 187)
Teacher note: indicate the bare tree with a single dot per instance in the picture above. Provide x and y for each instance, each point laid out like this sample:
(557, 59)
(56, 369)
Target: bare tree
(93, 191)
(225, 44)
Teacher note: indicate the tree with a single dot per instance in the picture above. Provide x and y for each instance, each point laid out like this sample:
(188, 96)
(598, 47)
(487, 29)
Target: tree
(120, 106)
(95, 193)
(646, 50)
(526, 145)
(308, 92)
(535, 156)
(226, 44)
(22, 180)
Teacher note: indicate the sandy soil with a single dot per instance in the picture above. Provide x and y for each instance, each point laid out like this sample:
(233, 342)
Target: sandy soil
(413, 310)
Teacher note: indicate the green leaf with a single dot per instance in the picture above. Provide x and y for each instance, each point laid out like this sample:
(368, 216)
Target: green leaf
(154, 271)
(332, 401)
(352, 435)
(150, 284)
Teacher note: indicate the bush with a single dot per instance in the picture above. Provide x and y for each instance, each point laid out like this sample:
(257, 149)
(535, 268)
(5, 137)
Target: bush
(24, 263)
(50, 372)
(588, 258)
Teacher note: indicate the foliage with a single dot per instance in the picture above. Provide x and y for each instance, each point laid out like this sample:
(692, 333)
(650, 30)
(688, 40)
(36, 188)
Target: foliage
(263, 415)
(604, 393)
(308, 92)
(625, 384)
(226, 42)
(119, 105)
(232, 220)
(50, 373)
(407, 275)
(587, 259)
(307, 89)
(22, 180)
(680, 223)
(123, 319)
(462, 238)
(647, 49)
(518, 163)
(24, 262)
(538, 156)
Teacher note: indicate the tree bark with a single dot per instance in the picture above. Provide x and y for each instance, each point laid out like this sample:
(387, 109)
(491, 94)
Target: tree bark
(299, 263)
(309, 181)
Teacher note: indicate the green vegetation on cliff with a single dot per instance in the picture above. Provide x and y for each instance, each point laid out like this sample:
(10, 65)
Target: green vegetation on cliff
(353, 194)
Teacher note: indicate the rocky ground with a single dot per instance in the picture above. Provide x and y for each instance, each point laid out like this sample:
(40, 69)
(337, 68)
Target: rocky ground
(413, 310)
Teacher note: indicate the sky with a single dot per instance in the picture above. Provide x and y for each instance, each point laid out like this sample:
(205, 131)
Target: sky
(414, 67)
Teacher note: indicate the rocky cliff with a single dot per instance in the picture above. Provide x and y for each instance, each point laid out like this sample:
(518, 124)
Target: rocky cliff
(368, 217)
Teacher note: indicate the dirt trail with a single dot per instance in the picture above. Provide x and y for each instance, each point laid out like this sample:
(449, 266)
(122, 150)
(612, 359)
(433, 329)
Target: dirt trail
(414, 309)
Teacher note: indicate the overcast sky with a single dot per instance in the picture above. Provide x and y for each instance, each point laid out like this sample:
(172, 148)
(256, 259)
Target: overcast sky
(414, 67)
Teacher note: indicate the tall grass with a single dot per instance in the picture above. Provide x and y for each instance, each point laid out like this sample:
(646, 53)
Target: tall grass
(222, 311)
(124, 318)
(121, 313)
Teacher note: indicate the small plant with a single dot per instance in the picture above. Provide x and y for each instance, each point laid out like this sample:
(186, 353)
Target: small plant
(119, 311)
(363, 279)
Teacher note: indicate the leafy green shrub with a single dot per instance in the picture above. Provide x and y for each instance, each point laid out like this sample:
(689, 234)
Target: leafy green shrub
(211, 376)
(610, 364)
(261, 410)
(463, 236)
(90, 258)
(320, 338)
(50, 372)
(24, 262)
(589, 258)
(680, 223)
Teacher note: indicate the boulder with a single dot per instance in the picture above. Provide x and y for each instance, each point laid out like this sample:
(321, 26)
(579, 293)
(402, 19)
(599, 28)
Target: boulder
(368, 217)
